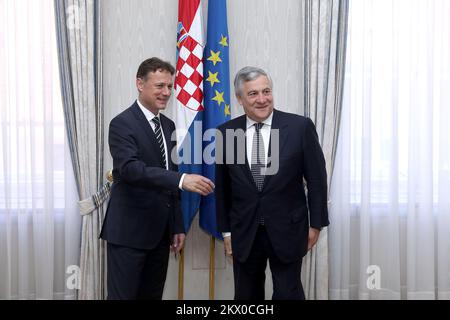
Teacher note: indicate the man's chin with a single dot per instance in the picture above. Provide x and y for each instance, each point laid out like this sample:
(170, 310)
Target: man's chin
(162, 106)
(263, 113)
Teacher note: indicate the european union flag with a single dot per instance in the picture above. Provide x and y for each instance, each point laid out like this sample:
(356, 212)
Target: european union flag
(216, 89)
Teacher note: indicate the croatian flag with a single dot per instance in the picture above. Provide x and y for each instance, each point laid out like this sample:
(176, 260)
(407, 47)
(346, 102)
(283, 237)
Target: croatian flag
(189, 98)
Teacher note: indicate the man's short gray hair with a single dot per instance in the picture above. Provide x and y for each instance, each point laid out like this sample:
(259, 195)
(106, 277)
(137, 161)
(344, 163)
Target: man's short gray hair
(248, 74)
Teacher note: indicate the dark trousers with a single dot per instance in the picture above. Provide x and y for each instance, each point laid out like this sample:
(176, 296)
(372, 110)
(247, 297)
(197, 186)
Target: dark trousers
(250, 276)
(135, 274)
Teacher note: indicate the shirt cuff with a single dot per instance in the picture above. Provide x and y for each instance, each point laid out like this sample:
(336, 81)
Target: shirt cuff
(226, 234)
(180, 185)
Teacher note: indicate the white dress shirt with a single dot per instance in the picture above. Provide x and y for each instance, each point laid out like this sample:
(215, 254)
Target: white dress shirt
(265, 132)
(149, 116)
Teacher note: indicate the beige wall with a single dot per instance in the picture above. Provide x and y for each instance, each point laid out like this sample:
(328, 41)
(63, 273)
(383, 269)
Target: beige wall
(262, 33)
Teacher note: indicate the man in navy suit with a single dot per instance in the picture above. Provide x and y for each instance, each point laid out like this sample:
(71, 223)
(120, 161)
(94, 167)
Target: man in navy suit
(143, 220)
(263, 210)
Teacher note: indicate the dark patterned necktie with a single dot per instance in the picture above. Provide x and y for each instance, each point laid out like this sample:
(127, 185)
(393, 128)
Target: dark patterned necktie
(159, 138)
(258, 157)
(258, 161)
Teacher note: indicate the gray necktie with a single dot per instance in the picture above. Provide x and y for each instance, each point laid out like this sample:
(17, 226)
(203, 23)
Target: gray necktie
(258, 161)
(159, 138)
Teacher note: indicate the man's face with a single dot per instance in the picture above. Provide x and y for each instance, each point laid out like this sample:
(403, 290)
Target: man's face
(256, 98)
(155, 90)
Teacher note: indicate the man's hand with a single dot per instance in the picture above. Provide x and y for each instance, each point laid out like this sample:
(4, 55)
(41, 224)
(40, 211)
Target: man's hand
(198, 184)
(313, 237)
(227, 244)
(178, 242)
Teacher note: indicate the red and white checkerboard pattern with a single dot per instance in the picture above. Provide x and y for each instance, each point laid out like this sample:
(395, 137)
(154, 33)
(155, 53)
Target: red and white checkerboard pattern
(189, 77)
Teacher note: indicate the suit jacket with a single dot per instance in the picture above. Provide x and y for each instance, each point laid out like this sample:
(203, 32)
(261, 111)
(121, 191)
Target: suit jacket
(145, 197)
(282, 202)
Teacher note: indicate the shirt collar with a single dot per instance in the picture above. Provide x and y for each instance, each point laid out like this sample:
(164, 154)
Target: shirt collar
(147, 113)
(267, 122)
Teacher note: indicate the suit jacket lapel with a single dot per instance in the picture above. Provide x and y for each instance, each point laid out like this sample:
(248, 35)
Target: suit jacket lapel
(242, 124)
(145, 125)
(277, 124)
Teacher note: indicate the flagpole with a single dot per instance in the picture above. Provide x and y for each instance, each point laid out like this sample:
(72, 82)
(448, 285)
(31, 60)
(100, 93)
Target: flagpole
(181, 276)
(212, 249)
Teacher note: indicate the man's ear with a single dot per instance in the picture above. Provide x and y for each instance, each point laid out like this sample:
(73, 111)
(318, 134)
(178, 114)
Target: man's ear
(238, 97)
(139, 84)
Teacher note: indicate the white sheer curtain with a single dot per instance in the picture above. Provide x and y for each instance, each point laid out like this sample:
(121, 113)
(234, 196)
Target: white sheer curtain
(391, 187)
(39, 220)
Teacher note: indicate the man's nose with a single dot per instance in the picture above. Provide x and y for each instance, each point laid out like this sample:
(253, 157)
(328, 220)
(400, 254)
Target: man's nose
(167, 91)
(260, 99)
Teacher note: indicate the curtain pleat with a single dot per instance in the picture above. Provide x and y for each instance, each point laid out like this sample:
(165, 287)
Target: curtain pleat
(325, 35)
(78, 25)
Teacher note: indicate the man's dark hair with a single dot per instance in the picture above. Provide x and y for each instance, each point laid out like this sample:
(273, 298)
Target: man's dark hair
(152, 65)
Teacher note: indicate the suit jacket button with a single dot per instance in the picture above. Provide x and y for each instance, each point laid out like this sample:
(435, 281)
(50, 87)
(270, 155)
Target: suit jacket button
(168, 205)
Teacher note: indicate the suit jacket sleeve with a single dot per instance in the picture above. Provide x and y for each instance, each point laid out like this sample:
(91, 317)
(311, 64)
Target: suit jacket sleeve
(316, 177)
(131, 168)
(222, 190)
(178, 217)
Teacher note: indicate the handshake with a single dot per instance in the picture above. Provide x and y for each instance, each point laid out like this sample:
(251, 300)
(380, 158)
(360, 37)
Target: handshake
(198, 184)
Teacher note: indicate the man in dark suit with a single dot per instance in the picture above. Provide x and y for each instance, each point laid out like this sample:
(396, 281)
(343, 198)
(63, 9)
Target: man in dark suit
(144, 217)
(262, 208)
